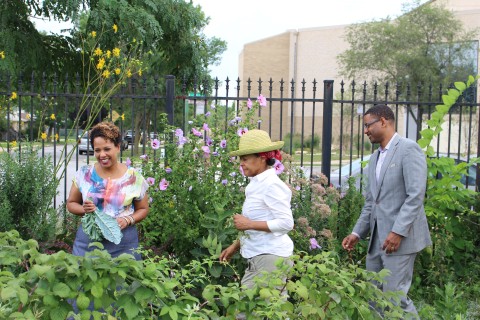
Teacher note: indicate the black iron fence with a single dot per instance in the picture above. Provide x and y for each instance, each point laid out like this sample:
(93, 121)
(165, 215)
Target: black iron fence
(321, 123)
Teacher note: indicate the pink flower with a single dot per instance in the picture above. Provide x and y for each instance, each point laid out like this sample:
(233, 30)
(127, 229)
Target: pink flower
(278, 166)
(155, 144)
(196, 132)
(242, 131)
(208, 141)
(223, 144)
(144, 157)
(128, 162)
(314, 244)
(150, 181)
(262, 100)
(168, 170)
(182, 141)
(179, 133)
(163, 185)
(206, 151)
(249, 104)
(205, 127)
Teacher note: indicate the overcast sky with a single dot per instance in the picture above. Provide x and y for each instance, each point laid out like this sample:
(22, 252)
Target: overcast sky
(243, 21)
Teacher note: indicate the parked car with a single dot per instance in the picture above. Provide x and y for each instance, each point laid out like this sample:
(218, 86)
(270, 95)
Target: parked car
(338, 180)
(85, 147)
(129, 136)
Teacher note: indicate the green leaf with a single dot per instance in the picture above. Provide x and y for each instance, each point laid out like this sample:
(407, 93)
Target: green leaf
(131, 309)
(142, 294)
(423, 142)
(427, 133)
(8, 293)
(109, 227)
(97, 290)
(50, 300)
(173, 314)
(442, 108)
(41, 270)
(61, 290)
(302, 291)
(335, 297)
(59, 313)
(448, 100)
(22, 294)
(461, 86)
(82, 301)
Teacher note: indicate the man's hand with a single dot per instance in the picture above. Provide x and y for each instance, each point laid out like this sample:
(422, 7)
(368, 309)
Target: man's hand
(349, 242)
(227, 254)
(241, 222)
(392, 243)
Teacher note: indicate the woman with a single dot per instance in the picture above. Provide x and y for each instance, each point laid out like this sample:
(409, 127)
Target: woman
(266, 215)
(111, 187)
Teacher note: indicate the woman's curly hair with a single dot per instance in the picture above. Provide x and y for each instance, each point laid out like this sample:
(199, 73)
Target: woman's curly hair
(106, 130)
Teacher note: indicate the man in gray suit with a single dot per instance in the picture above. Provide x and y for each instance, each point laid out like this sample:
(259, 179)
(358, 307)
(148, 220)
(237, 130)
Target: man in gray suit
(393, 213)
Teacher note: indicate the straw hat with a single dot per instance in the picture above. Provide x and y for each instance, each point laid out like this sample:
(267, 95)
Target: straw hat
(255, 141)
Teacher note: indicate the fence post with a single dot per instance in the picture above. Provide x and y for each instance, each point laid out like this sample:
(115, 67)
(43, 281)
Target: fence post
(170, 97)
(327, 127)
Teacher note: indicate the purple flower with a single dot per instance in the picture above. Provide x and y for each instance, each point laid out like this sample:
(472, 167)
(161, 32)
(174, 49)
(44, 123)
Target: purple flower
(205, 127)
(190, 188)
(259, 121)
(238, 119)
(262, 100)
(163, 185)
(242, 131)
(249, 104)
(196, 132)
(215, 153)
(208, 141)
(150, 199)
(233, 174)
(179, 133)
(231, 123)
(182, 141)
(206, 151)
(168, 170)
(155, 144)
(207, 114)
(144, 157)
(150, 181)
(297, 188)
(224, 182)
(278, 166)
(212, 106)
(314, 244)
(223, 144)
(128, 162)
(241, 171)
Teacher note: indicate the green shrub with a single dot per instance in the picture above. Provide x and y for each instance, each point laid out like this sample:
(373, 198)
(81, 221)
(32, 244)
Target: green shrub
(27, 187)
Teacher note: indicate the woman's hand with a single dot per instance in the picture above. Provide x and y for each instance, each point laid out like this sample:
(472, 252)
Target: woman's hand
(88, 206)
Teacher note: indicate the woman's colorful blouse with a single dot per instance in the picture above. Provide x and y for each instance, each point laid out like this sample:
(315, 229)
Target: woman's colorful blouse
(111, 196)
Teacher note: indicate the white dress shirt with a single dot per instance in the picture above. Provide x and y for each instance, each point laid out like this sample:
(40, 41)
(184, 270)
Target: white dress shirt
(267, 198)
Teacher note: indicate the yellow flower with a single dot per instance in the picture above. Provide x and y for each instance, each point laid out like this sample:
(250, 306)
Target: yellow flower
(56, 136)
(109, 54)
(52, 116)
(28, 116)
(117, 71)
(44, 135)
(106, 74)
(93, 34)
(115, 28)
(116, 52)
(123, 116)
(134, 40)
(14, 144)
(140, 72)
(13, 96)
(129, 74)
(101, 64)
(2, 54)
(97, 52)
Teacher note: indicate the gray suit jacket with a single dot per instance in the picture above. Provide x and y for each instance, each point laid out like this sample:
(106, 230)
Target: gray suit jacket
(395, 203)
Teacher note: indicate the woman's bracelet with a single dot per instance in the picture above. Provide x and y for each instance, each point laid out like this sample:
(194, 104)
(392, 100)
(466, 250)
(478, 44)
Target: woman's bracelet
(132, 219)
(126, 220)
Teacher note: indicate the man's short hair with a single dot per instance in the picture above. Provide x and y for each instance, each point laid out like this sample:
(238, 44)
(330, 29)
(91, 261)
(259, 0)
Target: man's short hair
(381, 110)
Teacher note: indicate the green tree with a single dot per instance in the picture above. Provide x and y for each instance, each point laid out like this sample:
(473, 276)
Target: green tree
(427, 44)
